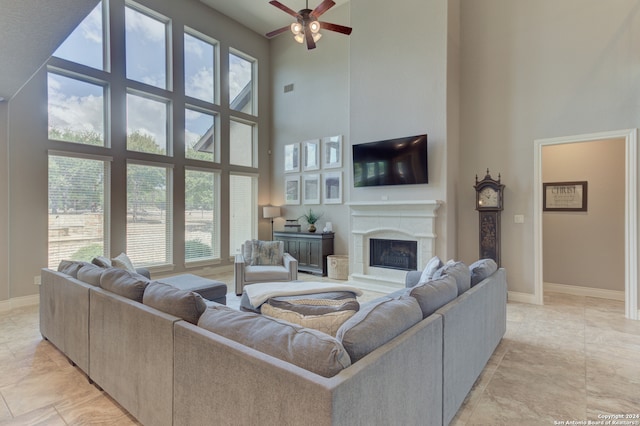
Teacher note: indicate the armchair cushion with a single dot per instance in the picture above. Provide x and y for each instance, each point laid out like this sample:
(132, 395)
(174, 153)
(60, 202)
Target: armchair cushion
(265, 273)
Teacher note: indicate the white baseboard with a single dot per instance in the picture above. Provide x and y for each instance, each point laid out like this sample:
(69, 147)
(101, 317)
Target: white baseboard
(584, 291)
(515, 296)
(19, 302)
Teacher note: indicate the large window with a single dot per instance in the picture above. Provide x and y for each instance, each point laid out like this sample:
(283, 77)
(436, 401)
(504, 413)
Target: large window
(147, 124)
(85, 45)
(202, 215)
(78, 208)
(200, 135)
(149, 214)
(199, 67)
(241, 81)
(241, 146)
(146, 47)
(76, 110)
(243, 210)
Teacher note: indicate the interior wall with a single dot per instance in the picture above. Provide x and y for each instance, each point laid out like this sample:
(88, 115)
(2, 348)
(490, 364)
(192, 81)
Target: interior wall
(398, 79)
(317, 107)
(535, 70)
(4, 202)
(586, 249)
(28, 145)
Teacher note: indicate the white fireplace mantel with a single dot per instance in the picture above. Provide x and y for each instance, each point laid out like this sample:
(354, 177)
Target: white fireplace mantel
(400, 220)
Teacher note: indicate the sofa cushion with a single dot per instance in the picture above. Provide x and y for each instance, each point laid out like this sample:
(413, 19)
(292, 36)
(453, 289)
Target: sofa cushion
(71, 267)
(122, 261)
(328, 322)
(481, 269)
(434, 294)
(432, 266)
(124, 283)
(90, 274)
(102, 261)
(459, 271)
(376, 323)
(180, 303)
(307, 348)
(267, 253)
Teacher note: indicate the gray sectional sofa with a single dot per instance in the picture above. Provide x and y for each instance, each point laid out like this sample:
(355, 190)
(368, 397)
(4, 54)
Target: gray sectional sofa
(165, 370)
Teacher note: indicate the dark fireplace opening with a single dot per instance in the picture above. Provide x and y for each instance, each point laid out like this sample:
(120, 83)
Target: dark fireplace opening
(393, 254)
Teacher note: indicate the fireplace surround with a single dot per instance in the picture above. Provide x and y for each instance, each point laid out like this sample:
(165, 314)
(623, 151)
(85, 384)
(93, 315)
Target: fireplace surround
(413, 221)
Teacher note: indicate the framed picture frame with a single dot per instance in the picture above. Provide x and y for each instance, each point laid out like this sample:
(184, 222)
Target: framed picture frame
(332, 152)
(292, 158)
(311, 150)
(564, 196)
(292, 190)
(332, 187)
(311, 189)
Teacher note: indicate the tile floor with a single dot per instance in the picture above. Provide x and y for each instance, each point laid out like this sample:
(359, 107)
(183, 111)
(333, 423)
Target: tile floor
(573, 359)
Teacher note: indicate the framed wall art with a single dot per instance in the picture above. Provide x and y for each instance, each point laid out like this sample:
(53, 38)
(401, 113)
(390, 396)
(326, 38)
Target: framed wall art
(311, 189)
(332, 187)
(292, 158)
(311, 150)
(564, 196)
(332, 152)
(292, 190)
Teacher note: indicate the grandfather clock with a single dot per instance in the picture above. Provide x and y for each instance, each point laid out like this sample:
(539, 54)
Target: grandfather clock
(489, 203)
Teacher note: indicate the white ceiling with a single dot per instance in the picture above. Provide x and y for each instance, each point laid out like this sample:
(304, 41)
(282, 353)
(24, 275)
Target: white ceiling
(259, 15)
(31, 30)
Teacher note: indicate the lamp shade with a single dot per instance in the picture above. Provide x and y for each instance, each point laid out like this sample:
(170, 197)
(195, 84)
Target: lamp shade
(269, 212)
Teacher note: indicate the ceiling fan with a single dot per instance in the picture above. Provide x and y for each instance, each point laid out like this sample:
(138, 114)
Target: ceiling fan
(307, 27)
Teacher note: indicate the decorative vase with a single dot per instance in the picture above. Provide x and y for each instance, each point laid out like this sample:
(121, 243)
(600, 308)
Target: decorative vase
(312, 227)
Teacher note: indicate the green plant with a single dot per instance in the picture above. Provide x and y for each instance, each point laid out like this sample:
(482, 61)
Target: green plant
(87, 253)
(194, 249)
(311, 217)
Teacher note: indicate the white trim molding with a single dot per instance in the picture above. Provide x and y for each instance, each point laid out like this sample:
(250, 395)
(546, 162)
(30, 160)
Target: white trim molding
(516, 296)
(575, 290)
(630, 218)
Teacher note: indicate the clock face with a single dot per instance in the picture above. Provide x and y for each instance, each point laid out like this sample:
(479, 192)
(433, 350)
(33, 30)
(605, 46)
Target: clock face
(488, 197)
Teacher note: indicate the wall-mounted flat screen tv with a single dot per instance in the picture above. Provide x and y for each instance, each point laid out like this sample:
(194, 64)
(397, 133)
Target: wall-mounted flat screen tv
(401, 161)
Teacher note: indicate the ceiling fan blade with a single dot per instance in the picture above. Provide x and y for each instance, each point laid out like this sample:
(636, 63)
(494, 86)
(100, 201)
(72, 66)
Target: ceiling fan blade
(277, 32)
(335, 27)
(284, 8)
(309, 37)
(322, 8)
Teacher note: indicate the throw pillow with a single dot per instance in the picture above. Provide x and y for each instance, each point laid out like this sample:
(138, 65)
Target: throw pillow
(434, 294)
(267, 253)
(90, 274)
(307, 348)
(377, 323)
(180, 303)
(432, 266)
(122, 261)
(481, 269)
(327, 323)
(71, 267)
(459, 271)
(124, 283)
(101, 261)
(246, 251)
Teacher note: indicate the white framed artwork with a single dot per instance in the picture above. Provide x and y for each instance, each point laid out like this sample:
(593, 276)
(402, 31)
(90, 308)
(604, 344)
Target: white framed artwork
(311, 189)
(311, 150)
(292, 190)
(332, 152)
(292, 158)
(332, 187)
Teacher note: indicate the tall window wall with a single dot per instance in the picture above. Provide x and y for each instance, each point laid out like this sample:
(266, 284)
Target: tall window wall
(156, 124)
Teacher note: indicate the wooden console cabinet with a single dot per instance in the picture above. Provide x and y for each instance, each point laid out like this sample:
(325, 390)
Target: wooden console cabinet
(310, 249)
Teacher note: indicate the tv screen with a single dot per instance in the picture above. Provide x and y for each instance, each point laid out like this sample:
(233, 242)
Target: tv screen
(401, 161)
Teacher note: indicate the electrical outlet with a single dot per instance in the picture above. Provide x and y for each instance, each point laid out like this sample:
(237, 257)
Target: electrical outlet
(36, 280)
(519, 218)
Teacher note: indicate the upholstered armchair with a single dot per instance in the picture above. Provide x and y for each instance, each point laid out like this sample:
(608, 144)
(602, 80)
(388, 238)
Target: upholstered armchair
(263, 261)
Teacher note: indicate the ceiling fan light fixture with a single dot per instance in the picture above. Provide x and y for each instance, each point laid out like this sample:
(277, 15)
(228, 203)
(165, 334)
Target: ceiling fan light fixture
(314, 26)
(316, 37)
(296, 28)
(299, 38)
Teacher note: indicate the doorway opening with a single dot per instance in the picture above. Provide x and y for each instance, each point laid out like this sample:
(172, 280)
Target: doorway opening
(630, 212)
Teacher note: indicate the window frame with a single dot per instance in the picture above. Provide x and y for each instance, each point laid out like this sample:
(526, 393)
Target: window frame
(217, 209)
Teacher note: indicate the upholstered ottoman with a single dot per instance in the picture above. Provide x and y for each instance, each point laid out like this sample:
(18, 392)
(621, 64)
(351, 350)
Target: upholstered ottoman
(209, 289)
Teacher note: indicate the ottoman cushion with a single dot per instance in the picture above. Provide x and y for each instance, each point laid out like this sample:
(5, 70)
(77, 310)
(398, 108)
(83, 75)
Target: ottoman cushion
(208, 289)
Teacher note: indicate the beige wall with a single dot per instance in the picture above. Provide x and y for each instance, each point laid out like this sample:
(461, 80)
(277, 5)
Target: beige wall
(586, 249)
(4, 205)
(533, 70)
(28, 147)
